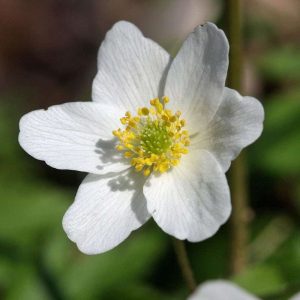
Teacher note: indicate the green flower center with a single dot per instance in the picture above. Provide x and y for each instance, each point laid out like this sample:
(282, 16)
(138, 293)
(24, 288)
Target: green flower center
(155, 138)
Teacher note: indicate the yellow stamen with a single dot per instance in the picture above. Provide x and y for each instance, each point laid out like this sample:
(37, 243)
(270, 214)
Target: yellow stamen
(153, 139)
(120, 147)
(173, 119)
(166, 99)
(145, 111)
(128, 154)
(123, 120)
(147, 172)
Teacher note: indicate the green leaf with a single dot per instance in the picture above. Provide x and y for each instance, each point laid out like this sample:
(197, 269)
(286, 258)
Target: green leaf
(261, 280)
(28, 210)
(27, 285)
(138, 291)
(281, 63)
(132, 260)
(277, 151)
(287, 258)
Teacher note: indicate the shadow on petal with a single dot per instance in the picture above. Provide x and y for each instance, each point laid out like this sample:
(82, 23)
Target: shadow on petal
(132, 181)
(128, 182)
(108, 155)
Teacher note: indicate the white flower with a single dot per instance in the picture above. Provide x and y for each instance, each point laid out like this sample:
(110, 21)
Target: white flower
(296, 297)
(165, 159)
(224, 290)
(220, 290)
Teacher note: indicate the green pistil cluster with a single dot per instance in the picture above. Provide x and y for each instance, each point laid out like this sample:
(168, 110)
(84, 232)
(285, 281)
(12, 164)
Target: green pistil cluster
(155, 138)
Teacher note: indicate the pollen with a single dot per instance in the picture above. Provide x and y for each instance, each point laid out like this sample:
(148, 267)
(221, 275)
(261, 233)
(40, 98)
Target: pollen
(155, 139)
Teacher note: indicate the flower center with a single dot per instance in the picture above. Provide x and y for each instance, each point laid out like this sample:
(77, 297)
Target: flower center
(154, 139)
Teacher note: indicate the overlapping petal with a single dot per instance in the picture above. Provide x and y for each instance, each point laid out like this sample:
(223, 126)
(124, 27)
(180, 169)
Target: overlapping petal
(192, 200)
(131, 68)
(105, 211)
(189, 201)
(196, 78)
(220, 290)
(74, 136)
(237, 123)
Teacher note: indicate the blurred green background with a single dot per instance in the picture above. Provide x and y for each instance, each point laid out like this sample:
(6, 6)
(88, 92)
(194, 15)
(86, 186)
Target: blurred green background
(48, 56)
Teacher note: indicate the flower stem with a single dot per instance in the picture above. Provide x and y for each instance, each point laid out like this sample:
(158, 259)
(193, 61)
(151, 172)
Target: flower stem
(184, 264)
(238, 174)
(239, 218)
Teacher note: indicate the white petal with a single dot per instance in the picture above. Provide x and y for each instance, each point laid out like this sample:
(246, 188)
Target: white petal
(296, 297)
(197, 75)
(192, 200)
(106, 210)
(237, 123)
(75, 136)
(130, 68)
(220, 290)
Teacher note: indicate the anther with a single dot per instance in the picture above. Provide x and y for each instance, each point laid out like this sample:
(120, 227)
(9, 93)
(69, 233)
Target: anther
(147, 172)
(153, 140)
(166, 99)
(145, 111)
